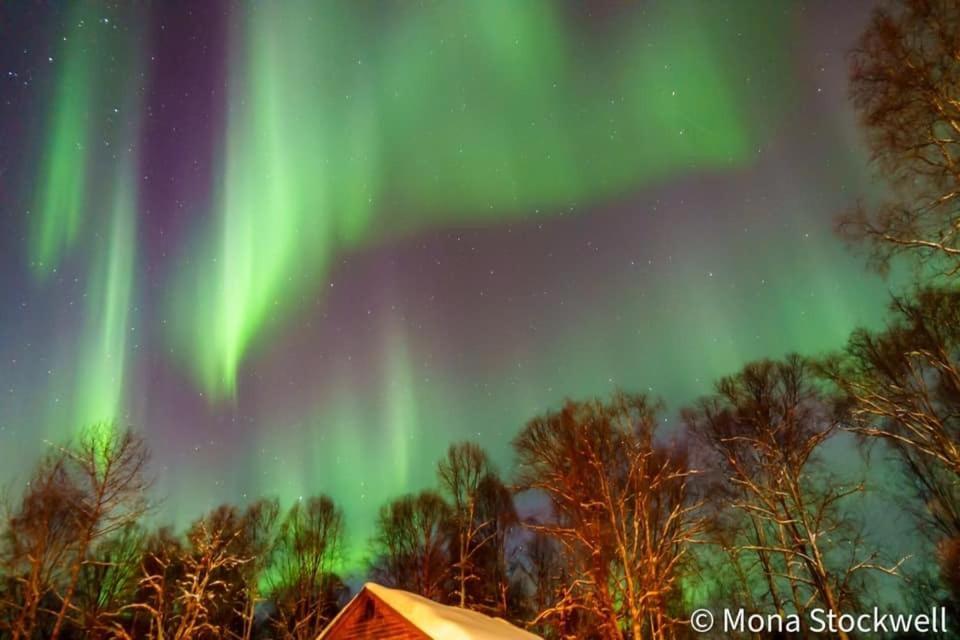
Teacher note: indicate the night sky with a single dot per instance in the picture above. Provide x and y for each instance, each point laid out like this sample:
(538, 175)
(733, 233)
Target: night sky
(303, 247)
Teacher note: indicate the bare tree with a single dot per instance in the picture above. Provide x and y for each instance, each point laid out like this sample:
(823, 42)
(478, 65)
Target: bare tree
(258, 542)
(182, 586)
(304, 585)
(904, 78)
(767, 426)
(108, 469)
(903, 384)
(932, 498)
(544, 570)
(251, 536)
(161, 568)
(621, 506)
(109, 579)
(497, 587)
(410, 549)
(38, 538)
(482, 514)
(210, 560)
(461, 473)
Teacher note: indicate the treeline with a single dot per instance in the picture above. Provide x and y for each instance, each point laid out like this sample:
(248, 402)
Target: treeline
(632, 527)
(637, 525)
(735, 509)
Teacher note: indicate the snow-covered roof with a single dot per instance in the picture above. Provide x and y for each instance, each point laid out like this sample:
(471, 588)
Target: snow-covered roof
(442, 622)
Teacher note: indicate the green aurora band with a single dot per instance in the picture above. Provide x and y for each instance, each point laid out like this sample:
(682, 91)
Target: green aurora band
(101, 386)
(88, 196)
(355, 125)
(332, 144)
(60, 201)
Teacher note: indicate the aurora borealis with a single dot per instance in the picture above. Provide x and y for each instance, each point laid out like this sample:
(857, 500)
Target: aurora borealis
(305, 246)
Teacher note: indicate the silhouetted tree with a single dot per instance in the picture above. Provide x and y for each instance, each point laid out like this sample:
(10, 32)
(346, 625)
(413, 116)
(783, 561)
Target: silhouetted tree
(902, 385)
(37, 541)
(109, 579)
(544, 572)
(410, 548)
(498, 588)
(258, 542)
(767, 426)
(482, 515)
(904, 78)
(107, 468)
(305, 588)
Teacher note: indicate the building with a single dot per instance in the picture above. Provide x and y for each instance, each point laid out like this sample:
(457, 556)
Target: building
(391, 614)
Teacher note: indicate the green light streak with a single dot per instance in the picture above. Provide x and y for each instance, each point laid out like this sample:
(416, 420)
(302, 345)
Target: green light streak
(101, 381)
(87, 195)
(363, 444)
(401, 417)
(277, 218)
(61, 189)
(463, 113)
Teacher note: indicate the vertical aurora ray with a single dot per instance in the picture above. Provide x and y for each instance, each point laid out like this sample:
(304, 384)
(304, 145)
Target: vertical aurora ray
(279, 213)
(463, 113)
(362, 440)
(61, 189)
(87, 199)
(100, 385)
(401, 418)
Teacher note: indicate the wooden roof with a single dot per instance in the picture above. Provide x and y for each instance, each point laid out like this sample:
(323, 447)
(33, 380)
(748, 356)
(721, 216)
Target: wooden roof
(392, 614)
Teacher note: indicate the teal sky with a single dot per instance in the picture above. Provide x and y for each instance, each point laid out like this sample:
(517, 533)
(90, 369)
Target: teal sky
(303, 248)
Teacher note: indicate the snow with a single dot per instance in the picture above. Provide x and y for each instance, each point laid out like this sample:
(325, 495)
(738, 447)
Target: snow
(442, 622)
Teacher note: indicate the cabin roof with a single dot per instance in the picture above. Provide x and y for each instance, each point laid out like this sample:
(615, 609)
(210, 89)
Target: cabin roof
(438, 621)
